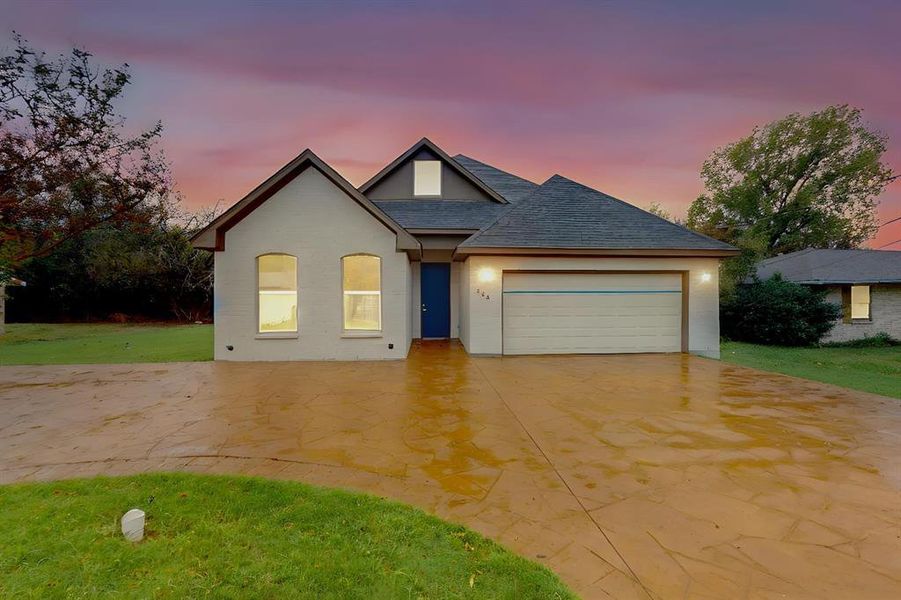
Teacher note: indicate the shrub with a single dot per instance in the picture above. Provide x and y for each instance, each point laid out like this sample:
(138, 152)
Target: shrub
(879, 340)
(777, 312)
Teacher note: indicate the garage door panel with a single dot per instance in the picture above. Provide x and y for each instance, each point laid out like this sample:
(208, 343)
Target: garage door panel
(580, 282)
(658, 327)
(516, 308)
(592, 313)
(593, 322)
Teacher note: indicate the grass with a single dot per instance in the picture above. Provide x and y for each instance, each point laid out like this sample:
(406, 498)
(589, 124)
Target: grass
(876, 370)
(77, 343)
(238, 537)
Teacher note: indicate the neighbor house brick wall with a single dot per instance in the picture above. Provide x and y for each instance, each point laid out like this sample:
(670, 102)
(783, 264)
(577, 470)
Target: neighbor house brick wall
(317, 222)
(885, 314)
(481, 322)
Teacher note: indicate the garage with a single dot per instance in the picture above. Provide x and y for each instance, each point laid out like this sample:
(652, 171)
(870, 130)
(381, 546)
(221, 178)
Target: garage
(567, 312)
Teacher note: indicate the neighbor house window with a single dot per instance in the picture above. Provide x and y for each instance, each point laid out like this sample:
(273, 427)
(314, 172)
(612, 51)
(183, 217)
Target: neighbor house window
(277, 283)
(860, 302)
(426, 177)
(362, 275)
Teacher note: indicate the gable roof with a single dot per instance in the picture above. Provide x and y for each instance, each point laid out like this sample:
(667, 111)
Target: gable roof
(563, 214)
(834, 266)
(425, 143)
(212, 237)
(511, 187)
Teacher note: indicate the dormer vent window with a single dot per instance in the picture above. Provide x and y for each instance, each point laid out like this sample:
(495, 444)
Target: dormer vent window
(426, 177)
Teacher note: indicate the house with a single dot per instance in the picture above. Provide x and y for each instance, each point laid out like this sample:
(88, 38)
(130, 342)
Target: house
(865, 283)
(308, 267)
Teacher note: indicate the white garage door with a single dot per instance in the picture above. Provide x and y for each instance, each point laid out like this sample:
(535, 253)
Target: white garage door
(592, 313)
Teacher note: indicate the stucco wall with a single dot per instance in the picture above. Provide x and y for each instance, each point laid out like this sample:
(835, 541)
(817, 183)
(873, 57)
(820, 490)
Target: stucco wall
(885, 314)
(318, 223)
(482, 318)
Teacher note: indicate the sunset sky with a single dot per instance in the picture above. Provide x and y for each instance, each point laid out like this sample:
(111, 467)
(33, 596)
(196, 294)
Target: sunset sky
(627, 97)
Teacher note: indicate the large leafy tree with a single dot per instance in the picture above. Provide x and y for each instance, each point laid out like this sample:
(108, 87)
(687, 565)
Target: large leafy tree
(67, 161)
(803, 181)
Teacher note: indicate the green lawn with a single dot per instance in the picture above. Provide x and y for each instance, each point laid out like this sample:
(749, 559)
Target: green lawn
(237, 537)
(876, 370)
(44, 344)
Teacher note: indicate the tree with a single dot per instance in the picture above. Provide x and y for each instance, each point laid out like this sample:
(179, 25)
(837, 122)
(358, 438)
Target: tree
(777, 312)
(121, 272)
(67, 164)
(803, 181)
(655, 208)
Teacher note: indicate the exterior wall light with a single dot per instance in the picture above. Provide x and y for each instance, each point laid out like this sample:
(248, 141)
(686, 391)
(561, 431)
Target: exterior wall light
(706, 277)
(486, 274)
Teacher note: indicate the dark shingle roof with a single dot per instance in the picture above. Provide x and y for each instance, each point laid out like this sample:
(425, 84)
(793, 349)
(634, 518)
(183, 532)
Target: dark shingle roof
(564, 214)
(442, 214)
(834, 266)
(511, 187)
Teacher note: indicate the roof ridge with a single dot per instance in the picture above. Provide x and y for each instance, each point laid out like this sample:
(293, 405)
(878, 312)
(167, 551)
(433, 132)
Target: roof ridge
(780, 257)
(490, 166)
(522, 203)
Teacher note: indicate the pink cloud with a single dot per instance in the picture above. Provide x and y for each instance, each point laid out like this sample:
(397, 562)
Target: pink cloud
(627, 98)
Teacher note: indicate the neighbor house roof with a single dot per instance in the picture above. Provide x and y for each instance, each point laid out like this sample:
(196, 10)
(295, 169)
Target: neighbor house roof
(562, 214)
(212, 237)
(833, 266)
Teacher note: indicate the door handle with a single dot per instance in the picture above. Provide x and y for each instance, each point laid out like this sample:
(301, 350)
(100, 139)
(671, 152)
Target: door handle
(424, 309)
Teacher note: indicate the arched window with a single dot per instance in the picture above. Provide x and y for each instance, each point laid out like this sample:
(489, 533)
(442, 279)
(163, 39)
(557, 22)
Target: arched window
(362, 286)
(277, 287)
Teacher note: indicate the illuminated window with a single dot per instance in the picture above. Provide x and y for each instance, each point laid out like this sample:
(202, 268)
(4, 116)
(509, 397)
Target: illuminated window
(278, 293)
(362, 292)
(426, 177)
(860, 302)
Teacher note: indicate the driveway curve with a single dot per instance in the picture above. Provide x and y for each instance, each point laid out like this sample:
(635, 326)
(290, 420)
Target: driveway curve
(644, 476)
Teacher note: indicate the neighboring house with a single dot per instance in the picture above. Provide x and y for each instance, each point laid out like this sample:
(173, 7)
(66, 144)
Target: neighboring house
(309, 267)
(865, 283)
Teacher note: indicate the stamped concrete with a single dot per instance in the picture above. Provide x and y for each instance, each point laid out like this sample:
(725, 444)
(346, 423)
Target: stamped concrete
(646, 476)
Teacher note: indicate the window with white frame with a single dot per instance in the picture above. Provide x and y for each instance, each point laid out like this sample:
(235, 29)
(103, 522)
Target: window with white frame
(362, 288)
(277, 288)
(860, 302)
(426, 177)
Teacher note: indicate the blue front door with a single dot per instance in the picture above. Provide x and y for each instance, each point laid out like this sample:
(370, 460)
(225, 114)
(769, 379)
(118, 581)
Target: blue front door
(435, 284)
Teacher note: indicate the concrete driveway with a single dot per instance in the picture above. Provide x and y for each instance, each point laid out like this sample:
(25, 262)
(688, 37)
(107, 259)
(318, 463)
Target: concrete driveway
(661, 476)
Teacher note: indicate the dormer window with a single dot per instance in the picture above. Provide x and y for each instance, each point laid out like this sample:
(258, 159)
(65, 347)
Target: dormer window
(426, 177)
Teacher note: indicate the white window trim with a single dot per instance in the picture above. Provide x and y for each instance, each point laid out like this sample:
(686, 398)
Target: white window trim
(363, 333)
(276, 335)
(440, 178)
